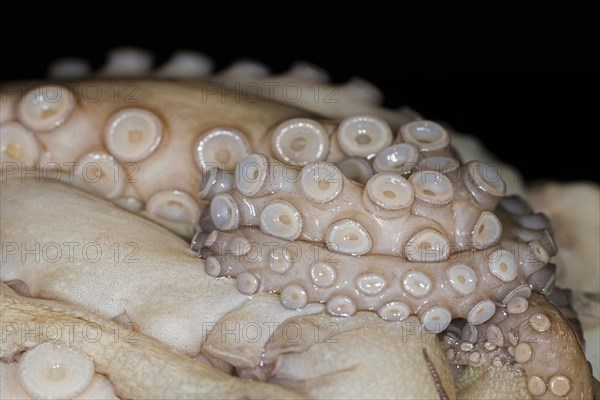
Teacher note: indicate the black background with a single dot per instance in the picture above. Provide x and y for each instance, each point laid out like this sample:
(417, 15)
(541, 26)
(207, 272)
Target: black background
(521, 78)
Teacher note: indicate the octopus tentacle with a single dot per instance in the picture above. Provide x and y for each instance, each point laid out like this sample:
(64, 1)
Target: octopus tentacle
(116, 139)
(340, 211)
(304, 85)
(112, 138)
(174, 374)
(447, 214)
(535, 338)
(304, 272)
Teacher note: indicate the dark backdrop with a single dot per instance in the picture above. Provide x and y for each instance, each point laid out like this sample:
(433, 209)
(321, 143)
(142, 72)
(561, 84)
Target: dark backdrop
(520, 78)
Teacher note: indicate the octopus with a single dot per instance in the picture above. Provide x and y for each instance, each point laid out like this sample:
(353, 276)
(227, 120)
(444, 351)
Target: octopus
(174, 234)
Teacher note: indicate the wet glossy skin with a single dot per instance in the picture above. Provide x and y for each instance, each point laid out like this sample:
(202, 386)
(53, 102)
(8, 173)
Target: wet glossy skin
(153, 163)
